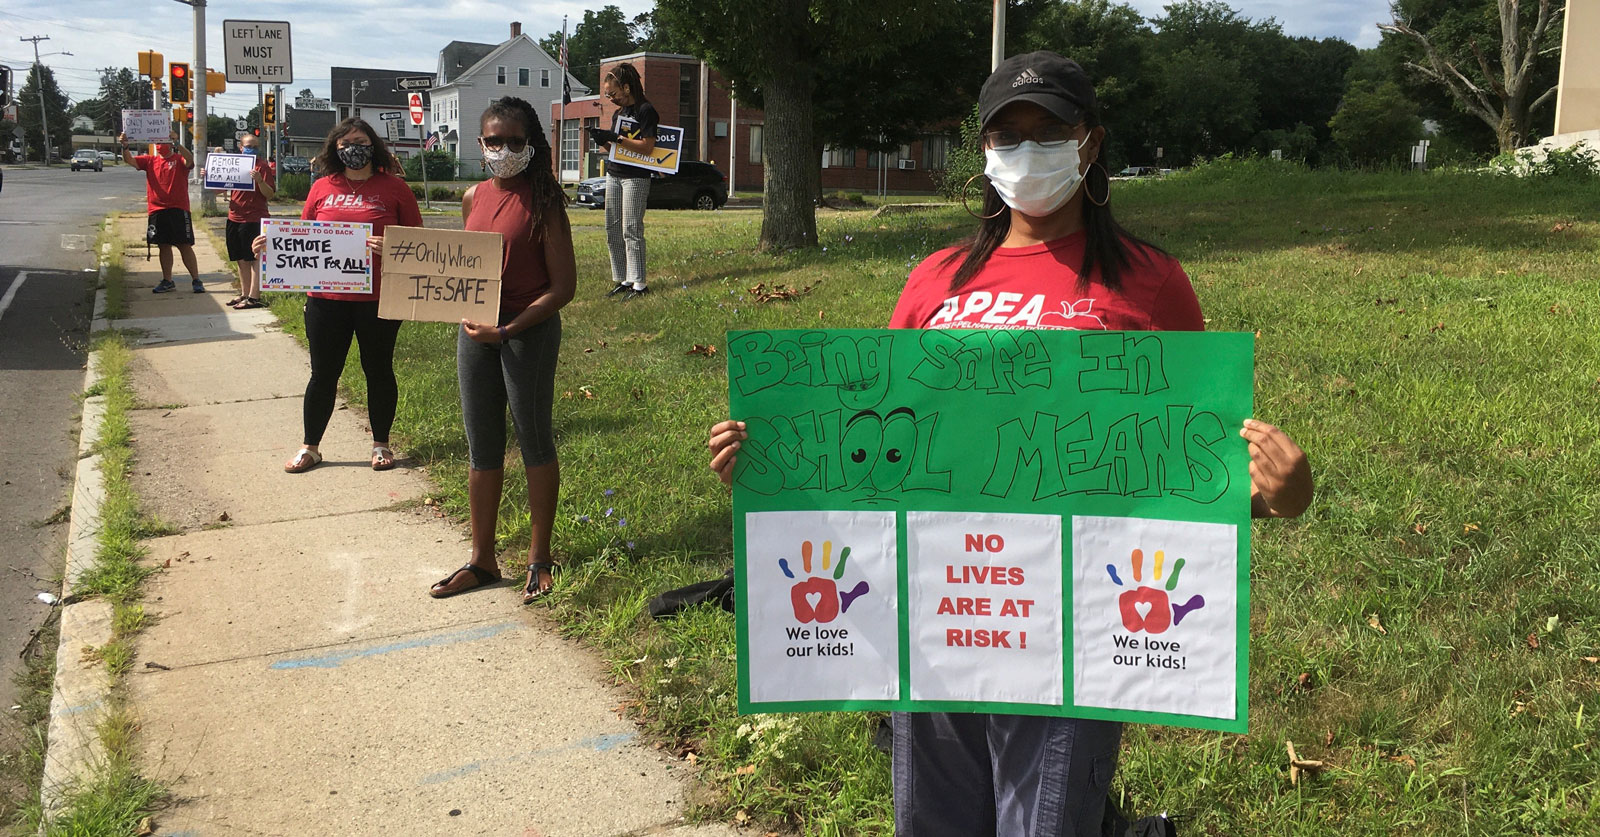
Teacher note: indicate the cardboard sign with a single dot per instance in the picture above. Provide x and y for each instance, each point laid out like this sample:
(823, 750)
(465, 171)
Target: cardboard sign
(323, 256)
(440, 276)
(147, 125)
(1025, 522)
(669, 142)
(230, 171)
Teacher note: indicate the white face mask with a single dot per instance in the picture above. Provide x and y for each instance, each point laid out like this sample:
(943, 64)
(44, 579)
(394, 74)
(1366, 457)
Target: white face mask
(1032, 179)
(507, 163)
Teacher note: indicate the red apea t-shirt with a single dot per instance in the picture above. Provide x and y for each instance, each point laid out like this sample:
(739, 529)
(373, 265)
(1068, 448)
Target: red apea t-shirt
(1037, 287)
(252, 205)
(166, 180)
(509, 212)
(380, 200)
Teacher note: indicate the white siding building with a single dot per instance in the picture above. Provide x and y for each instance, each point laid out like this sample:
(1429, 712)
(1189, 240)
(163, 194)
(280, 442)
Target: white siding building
(471, 75)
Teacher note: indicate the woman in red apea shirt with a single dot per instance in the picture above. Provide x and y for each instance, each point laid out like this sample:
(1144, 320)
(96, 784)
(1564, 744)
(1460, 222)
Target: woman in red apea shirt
(357, 188)
(513, 362)
(1047, 254)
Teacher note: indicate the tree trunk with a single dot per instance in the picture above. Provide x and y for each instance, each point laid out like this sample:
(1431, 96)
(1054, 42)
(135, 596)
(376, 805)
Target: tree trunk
(788, 216)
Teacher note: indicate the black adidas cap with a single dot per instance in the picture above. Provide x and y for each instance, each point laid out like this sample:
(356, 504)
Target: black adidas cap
(1054, 83)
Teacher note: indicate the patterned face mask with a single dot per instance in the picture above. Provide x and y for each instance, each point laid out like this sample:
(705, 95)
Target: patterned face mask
(355, 156)
(505, 162)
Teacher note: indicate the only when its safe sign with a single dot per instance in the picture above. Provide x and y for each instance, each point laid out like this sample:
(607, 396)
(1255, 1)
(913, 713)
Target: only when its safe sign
(1027, 522)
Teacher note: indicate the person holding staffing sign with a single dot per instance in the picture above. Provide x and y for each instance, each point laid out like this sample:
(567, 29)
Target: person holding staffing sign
(1047, 255)
(358, 189)
(627, 187)
(513, 361)
(166, 175)
(246, 208)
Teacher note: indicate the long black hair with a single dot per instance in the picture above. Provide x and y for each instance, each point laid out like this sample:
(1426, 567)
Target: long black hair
(540, 172)
(382, 160)
(626, 75)
(1108, 246)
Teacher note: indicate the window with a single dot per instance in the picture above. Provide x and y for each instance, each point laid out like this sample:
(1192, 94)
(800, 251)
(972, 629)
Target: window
(841, 158)
(935, 152)
(522, 77)
(755, 144)
(344, 113)
(689, 109)
(544, 78)
(570, 148)
(500, 75)
(874, 159)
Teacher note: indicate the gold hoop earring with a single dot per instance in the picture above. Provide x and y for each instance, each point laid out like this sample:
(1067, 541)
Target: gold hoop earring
(965, 204)
(1107, 199)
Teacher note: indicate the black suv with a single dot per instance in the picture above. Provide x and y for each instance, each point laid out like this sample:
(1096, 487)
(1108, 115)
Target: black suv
(695, 186)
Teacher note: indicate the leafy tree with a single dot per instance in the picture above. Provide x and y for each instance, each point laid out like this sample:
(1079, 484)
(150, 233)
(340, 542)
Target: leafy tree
(55, 113)
(1496, 60)
(219, 129)
(1375, 123)
(773, 51)
(651, 34)
(120, 88)
(1208, 105)
(1115, 47)
(599, 35)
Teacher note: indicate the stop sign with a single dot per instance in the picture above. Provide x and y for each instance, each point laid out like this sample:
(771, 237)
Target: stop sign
(416, 108)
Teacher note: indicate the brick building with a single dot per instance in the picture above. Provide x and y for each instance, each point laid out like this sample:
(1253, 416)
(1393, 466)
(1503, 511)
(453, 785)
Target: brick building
(687, 93)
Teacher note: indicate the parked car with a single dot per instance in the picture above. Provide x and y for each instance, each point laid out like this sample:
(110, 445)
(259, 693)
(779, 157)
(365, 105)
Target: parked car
(696, 185)
(88, 158)
(1137, 171)
(290, 164)
(107, 157)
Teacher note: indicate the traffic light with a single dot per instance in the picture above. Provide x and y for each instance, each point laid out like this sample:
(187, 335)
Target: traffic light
(178, 89)
(269, 111)
(216, 82)
(184, 115)
(5, 86)
(152, 64)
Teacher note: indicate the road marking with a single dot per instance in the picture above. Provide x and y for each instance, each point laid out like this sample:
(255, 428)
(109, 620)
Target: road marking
(11, 293)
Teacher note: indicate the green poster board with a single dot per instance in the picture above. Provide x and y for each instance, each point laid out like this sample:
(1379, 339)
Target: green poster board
(1028, 522)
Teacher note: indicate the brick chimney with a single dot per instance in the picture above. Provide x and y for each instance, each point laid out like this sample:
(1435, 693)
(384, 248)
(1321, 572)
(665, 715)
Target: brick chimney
(516, 28)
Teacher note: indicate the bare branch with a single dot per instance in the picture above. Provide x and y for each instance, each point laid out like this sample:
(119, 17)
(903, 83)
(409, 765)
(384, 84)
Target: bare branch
(1470, 95)
(1495, 85)
(1548, 16)
(1544, 97)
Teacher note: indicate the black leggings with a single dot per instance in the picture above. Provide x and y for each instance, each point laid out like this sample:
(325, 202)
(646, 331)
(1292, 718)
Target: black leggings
(330, 323)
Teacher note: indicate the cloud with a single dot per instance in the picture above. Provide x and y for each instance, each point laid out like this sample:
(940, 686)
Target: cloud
(398, 34)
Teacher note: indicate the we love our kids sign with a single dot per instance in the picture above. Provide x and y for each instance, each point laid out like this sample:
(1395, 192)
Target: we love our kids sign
(1025, 522)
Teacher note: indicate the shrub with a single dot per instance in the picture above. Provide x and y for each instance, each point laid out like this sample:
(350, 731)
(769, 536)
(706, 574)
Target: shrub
(444, 193)
(1578, 162)
(294, 186)
(441, 166)
(964, 161)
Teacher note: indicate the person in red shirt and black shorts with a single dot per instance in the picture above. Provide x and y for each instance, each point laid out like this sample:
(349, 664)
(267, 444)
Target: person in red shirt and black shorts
(512, 362)
(245, 211)
(166, 180)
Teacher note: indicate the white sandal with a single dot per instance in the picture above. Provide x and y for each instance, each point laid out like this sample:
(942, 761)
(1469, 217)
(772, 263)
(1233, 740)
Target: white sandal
(387, 455)
(303, 460)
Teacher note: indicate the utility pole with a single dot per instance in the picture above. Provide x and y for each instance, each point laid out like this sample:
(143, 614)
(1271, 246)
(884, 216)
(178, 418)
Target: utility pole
(38, 79)
(198, 106)
(997, 48)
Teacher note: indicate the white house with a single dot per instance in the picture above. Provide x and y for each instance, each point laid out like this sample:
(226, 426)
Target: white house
(471, 75)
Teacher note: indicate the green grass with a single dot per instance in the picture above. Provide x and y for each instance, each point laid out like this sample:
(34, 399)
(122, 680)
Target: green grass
(114, 797)
(1428, 339)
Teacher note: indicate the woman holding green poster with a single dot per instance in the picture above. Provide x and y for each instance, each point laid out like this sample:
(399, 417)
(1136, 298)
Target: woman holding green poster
(1047, 255)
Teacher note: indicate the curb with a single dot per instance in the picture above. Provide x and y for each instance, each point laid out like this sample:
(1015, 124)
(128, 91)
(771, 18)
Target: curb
(82, 685)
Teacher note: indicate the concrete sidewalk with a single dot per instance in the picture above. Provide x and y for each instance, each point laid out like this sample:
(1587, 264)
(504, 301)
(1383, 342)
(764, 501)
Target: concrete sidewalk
(295, 678)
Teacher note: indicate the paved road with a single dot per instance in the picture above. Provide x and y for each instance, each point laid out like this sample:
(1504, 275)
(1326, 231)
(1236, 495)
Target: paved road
(48, 223)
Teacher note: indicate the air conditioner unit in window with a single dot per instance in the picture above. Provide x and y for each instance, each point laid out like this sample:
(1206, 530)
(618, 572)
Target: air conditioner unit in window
(908, 164)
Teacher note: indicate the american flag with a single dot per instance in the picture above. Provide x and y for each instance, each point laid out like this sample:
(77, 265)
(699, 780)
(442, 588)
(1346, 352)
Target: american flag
(432, 142)
(566, 83)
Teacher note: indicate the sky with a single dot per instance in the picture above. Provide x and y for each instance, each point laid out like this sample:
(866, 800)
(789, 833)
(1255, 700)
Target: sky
(408, 34)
